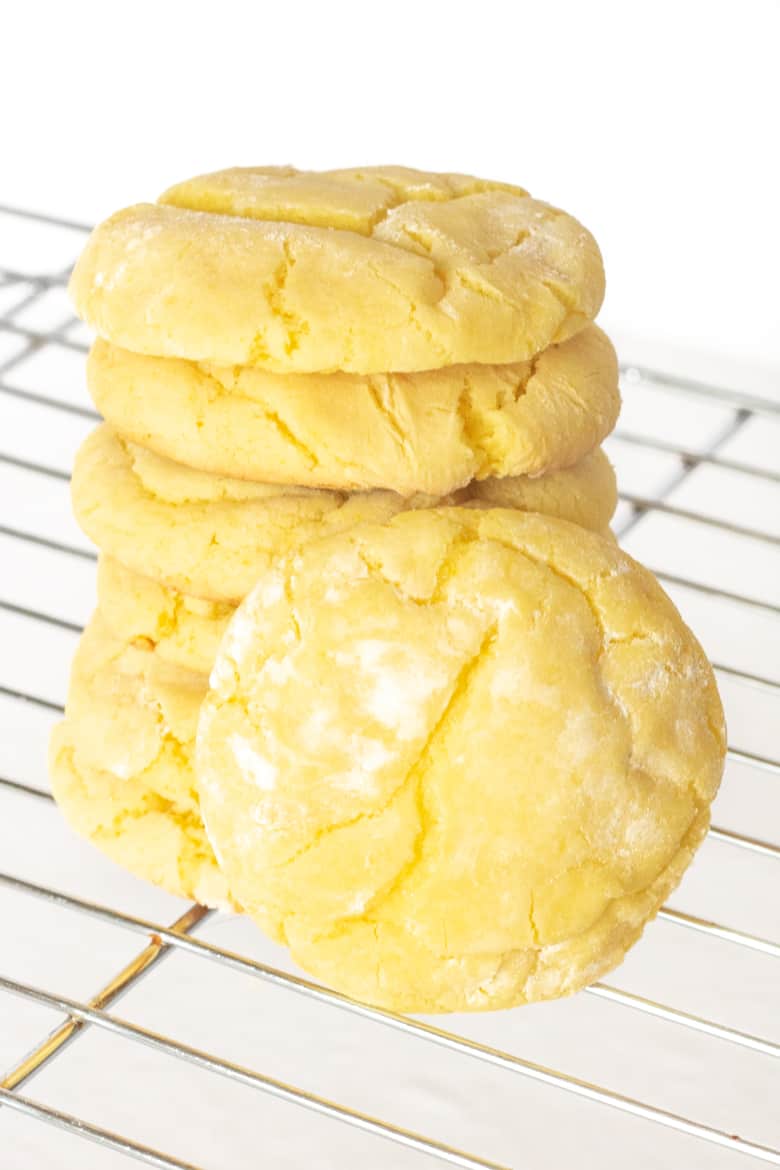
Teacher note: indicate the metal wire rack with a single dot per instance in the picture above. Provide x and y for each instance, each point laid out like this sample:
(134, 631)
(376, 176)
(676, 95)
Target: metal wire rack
(700, 506)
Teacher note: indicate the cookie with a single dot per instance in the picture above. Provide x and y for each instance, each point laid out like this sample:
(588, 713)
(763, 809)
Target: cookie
(187, 630)
(211, 536)
(431, 432)
(121, 765)
(205, 535)
(585, 494)
(361, 270)
(458, 760)
(181, 629)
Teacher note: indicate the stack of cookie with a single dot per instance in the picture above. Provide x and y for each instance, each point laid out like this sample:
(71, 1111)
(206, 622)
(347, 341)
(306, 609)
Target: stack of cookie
(280, 356)
(353, 667)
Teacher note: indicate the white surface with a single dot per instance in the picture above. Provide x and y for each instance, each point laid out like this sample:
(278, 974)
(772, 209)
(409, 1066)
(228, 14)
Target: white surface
(656, 124)
(221, 1126)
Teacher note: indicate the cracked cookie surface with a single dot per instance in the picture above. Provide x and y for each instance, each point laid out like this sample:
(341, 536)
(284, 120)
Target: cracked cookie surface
(384, 268)
(456, 761)
(121, 765)
(181, 629)
(427, 432)
(211, 536)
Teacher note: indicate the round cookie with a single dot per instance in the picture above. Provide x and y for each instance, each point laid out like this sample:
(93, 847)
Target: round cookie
(458, 760)
(432, 431)
(121, 765)
(181, 629)
(211, 536)
(359, 270)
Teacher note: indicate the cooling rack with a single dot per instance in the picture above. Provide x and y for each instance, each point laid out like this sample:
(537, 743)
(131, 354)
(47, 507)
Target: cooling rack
(222, 1056)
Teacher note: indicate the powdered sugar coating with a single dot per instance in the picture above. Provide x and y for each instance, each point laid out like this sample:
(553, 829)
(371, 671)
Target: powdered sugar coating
(531, 738)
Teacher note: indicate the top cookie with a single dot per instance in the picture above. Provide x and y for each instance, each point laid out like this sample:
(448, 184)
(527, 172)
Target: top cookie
(364, 271)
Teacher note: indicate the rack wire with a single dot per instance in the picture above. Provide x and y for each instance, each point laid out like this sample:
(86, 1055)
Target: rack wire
(34, 322)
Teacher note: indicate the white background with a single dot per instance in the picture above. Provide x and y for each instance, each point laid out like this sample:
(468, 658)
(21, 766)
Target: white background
(656, 124)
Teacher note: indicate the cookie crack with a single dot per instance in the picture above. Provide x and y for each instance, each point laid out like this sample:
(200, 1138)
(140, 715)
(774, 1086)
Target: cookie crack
(152, 800)
(427, 246)
(478, 425)
(477, 276)
(289, 435)
(286, 431)
(416, 776)
(529, 372)
(531, 918)
(272, 416)
(295, 326)
(608, 640)
(379, 391)
(478, 432)
(446, 570)
(474, 281)
(413, 318)
(560, 294)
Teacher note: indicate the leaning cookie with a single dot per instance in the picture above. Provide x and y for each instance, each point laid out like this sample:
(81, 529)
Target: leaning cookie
(431, 432)
(458, 760)
(379, 269)
(211, 537)
(121, 765)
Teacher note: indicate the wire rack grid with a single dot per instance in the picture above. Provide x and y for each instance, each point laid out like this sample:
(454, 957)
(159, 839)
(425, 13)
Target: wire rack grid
(682, 1036)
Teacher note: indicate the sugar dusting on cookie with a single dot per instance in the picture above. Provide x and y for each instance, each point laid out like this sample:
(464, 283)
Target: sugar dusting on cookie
(255, 768)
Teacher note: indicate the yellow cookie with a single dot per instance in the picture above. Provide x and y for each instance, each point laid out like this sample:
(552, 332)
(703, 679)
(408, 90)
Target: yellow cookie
(205, 535)
(428, 432)
(181, 629)
(365, 271)
(458, 760)
(211, 536)
(585, 494)
(187, 630)
(121, 765)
